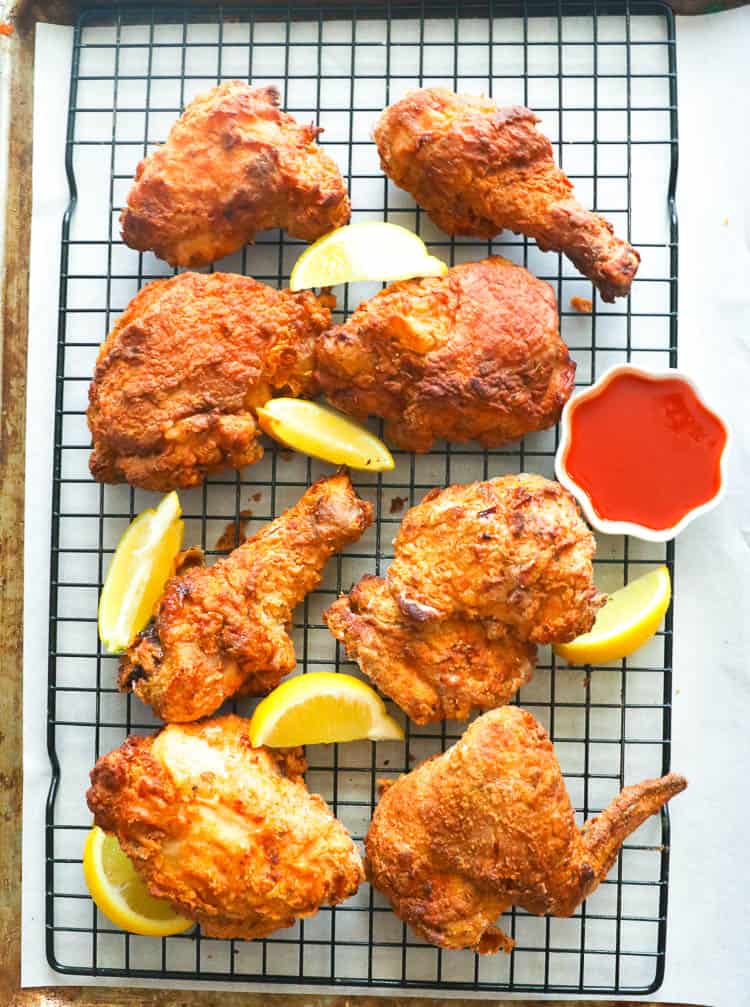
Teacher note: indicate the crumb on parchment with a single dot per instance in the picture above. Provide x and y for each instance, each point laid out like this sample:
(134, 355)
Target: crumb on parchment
(234, 533)
(582, 304)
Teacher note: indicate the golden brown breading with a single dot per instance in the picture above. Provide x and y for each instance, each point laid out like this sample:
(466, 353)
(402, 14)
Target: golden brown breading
(233, 165)
(224, 629)
(480, 573)
(228, 833)
(434, 670)
(478, 169)
(475, 354)
(514, 550)
(178, 378)
(489, 825)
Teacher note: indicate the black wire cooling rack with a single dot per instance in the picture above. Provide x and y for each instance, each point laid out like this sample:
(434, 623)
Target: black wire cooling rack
(603, 79)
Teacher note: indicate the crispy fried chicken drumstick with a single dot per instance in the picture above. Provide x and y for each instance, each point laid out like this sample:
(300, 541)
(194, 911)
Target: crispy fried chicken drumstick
(480, 574)
(478, 169)
(433, 670)
(475, 354)
(234, 164)
(513, 550)
(228, 833)
(489, 825)
(224, 629)
(180, 375)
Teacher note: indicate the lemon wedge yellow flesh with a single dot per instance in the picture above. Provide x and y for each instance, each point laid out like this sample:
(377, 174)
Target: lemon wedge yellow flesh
(629, 619)
(141, 565)
(373, 250)
(324, 433)
(321, 708)
(120, 892)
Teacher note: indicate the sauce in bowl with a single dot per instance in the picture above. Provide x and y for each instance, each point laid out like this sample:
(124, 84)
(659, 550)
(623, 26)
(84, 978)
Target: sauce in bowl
(644, 449)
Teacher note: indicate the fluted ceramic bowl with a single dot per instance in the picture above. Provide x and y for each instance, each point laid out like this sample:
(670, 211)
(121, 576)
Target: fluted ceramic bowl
(630, 527)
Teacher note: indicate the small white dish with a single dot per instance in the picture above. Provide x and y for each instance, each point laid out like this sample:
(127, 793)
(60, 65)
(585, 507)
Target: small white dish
(628, 527)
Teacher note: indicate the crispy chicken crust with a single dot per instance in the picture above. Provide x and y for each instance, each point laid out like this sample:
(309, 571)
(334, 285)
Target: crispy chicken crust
(514, 550)
(489, 825)
(224, 629)
(178, 378)
(233, 165)
(478, 169)
(480, 574)
(228, 833)
(475, 354)
(436, 670)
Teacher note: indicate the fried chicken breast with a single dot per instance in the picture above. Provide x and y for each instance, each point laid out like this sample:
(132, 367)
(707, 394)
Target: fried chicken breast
(489, 825)
(178, 378)
(234, 164)
(478, 169)
(514, 550)
(475, 354)
(433, 670)
(228, 833)
(224, 629)
(480, 574)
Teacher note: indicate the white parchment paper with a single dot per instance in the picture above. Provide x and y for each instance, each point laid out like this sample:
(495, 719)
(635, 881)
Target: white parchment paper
(707, 957)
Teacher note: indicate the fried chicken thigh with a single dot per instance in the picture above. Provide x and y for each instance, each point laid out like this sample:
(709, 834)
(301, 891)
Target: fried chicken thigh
(514, 550)
(436, 670)
(489, 825)
(478, 169)
(233, 165)
(178, 378)
(480, 574)
(228, 833)
(475, 354)
(224, 629)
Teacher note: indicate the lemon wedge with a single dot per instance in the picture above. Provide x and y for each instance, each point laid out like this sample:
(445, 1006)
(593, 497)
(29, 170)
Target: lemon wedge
(141, 565)
(324, 433)
(630, 617)
(321, 708)
(371, 250)
(120, 892)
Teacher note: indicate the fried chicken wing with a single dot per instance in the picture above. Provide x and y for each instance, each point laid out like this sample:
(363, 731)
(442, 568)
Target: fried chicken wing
(178, 378)
(474, 354)
(433, 670)
(489, 825)
(228, 833)
(233, 165)
(478, 169)
(514, 550)
(224, 629)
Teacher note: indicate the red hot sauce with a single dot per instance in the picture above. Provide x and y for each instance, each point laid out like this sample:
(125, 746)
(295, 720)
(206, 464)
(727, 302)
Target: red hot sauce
(645, 450)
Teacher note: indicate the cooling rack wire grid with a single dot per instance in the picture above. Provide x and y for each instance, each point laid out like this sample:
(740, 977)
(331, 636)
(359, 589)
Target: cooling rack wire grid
(603, 81)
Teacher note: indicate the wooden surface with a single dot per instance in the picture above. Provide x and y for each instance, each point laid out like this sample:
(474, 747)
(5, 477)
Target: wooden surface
(13, 332)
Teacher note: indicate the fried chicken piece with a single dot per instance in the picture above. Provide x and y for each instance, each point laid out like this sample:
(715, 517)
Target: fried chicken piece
(434, 670)
(233, 165)
(489, 825)
(178, 378)
(478, 169)
(480, 574)
(475, 354)
(224, 629)
(228, 833)
(514, 550)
